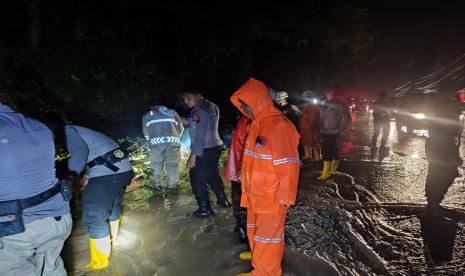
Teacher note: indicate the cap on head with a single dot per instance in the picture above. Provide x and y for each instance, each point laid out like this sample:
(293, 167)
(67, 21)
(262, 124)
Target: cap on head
(282, 95)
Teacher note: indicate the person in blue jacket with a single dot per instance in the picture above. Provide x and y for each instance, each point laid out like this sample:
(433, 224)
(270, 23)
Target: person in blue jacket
(206, 147)
(35, 217)
(108, 170)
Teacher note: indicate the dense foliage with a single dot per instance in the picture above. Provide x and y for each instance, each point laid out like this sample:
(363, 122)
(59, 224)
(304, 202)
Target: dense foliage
(108, 60)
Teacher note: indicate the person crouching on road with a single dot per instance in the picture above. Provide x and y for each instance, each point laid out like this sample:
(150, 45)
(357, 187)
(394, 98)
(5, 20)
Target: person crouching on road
(335, 119)
(109, 172)
(232, 173)
(206, 147)
(35, 219)
(269, 176)
(163, 128)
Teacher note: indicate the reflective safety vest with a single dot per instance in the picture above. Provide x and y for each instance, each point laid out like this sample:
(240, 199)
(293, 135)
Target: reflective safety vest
(162, 125)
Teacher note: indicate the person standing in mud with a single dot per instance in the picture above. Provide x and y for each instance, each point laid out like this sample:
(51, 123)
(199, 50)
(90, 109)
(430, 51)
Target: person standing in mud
(109, 172)
(35, 218)
(291, 111)
(309, 125)
(206, 148)
(163, 129)
(335, 119)
(269, 176)
(381, 122)
(232, 173)
(442, 148)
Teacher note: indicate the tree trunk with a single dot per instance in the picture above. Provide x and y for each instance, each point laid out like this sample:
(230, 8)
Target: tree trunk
(35, 24)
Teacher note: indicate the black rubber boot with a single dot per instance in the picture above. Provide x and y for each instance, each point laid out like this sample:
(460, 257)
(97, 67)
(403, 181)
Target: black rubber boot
(222, 201)
(204, 210)
(243, 235)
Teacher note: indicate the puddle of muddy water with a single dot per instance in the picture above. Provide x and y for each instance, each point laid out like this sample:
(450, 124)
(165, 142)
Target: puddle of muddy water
(165, 241)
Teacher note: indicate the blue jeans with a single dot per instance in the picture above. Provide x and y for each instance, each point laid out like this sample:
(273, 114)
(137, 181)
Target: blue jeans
(101, 201)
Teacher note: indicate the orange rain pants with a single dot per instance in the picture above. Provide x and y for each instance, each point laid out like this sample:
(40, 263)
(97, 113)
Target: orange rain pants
(266, 238)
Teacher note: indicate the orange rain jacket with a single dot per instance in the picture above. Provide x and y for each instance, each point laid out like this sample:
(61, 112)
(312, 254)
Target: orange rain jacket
(270, 165)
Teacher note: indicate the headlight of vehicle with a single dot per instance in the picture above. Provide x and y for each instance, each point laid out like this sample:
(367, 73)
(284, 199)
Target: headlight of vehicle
(419, 116)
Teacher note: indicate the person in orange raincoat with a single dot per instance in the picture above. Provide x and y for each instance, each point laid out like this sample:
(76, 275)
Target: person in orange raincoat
(269, 176)
(232, 173)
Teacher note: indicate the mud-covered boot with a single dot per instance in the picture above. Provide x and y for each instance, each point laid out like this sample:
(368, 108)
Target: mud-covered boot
(334, 166)
(114, 231)
(316, 153)
(204, 210)
(246, 255)
(222, 201)
(326, 173)
(100, 250)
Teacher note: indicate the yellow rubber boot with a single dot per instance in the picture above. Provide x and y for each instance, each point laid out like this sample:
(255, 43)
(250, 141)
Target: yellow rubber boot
(246, 256)
(326, 173)
(245, 274)
(100, 250)
(114, 230)
(334, 166)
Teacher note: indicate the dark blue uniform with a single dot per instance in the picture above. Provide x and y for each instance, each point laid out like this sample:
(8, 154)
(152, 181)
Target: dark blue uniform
(207, 146)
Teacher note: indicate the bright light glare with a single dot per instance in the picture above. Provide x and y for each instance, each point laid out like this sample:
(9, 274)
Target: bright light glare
(419, 116)
(315, 101)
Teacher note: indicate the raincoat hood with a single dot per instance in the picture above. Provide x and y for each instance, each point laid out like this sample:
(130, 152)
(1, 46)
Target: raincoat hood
(255, 94)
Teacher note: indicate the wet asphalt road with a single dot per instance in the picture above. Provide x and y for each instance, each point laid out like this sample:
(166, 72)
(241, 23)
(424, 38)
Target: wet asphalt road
(398, 177)
(409, 240)
(163, 240)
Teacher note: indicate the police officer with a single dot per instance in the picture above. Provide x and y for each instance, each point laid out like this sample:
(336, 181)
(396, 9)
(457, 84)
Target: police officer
(291, 111)
(206, 147)
(34, 214)
(108, 171)
(442, 148)
(163, 128)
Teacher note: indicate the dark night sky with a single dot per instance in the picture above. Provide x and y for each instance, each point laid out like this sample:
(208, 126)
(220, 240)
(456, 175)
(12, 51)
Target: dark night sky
(411, 38)
(421, 34)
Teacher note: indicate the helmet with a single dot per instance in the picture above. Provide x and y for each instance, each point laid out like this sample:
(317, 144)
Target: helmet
(282, 95)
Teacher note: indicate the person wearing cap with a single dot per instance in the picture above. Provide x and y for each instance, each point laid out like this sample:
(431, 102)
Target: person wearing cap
(163, 129)
(291, 111)
(108, 172)
(35, 217)
(335, 119)
(206, 148)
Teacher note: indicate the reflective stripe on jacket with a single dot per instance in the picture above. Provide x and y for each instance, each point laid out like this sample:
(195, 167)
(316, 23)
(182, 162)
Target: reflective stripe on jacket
(270, 164)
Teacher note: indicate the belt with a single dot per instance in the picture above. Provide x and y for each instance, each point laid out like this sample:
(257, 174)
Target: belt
(108, 159)
(44, 196)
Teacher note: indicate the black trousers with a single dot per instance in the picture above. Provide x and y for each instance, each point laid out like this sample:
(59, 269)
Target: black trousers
(240, 213)
(329, 146)
(206, 173)
(440, 177)
(385, 127)
(101, 202)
